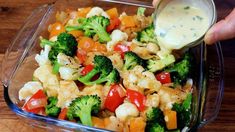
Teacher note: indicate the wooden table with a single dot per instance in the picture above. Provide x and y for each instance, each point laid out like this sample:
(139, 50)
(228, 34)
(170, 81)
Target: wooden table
(13, 14)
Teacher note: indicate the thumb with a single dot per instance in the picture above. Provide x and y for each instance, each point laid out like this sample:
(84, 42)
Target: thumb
(155, 2)
(224, 29)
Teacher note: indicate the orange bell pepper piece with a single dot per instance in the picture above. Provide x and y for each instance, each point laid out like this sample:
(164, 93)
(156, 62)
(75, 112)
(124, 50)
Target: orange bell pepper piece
(171, 119)
(129, 21)
(113, 13)
(137, 124)
(97, 122)
(82, 12)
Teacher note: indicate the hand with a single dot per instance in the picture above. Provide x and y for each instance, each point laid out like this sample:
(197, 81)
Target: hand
(224, 29)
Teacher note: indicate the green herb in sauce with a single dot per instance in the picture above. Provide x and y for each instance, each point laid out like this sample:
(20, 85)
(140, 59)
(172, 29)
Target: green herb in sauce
(199, 18)
(187, 7)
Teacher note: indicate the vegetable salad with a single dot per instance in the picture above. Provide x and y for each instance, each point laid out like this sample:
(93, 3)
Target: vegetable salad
(106, 70)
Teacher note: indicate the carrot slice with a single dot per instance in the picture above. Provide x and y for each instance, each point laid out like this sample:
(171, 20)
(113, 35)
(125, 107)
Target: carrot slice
(82, 12)
(62, 115)
(76, 33)
(97, 122)
(55, 29)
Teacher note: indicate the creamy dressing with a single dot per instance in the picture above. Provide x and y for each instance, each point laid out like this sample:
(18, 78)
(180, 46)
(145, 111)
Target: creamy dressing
(179, 24)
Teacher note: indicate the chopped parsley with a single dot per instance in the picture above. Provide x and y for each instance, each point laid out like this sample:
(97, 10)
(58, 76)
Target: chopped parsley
(187, 7)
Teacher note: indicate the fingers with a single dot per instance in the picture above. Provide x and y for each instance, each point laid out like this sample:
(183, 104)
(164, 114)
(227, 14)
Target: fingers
(155, 2)
(224, 29)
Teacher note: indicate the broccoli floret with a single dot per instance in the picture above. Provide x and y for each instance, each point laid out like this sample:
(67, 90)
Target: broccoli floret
(82, 107)
(103, 67)
(181, 70)
(113, 77)
(154, 65)
(93, 25)
(51, 108)
(155, 120)
(147, 35)
(155, 128)
(140, 11)
(66, 43)
(155, 115)
(131, 59)
(183, 112)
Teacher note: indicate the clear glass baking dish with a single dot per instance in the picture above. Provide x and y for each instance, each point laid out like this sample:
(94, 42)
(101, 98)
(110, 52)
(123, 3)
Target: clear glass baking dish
(18, 66)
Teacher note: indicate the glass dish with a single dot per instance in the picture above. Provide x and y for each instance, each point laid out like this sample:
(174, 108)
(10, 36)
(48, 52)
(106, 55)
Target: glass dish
(18, 66)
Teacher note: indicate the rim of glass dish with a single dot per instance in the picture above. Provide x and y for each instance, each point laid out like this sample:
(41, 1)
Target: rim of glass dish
(54, 121)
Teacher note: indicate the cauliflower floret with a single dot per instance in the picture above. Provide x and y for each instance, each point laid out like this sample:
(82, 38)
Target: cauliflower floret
(67, 92)
(29, 89)
(69, 67)
(163, 53)
(113, 124)
(117, 61)
(144, 51)
(116, 36)
(90, 57)
(121, 15)
(97, 11)
(169, 96)
(68, 73)
(43, 59)
(152, 100)
(125, 110)
(72, 22)
(138, 79)
(49, 80)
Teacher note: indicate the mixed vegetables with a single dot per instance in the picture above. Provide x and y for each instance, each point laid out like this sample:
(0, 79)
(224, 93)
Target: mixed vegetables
(105, 69)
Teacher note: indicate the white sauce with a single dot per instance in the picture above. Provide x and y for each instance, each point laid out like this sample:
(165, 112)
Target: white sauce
(179, 24)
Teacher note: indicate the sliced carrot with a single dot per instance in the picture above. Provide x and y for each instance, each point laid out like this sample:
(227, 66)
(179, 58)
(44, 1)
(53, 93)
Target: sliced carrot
(76, 33)
(113, 13)
(137, 124)
(100, 47)
(107, 121)
(97, 122)
(62, 115)
(55, 29)
(82, 12)
(87, 44)
(171, 119)
(128, 21)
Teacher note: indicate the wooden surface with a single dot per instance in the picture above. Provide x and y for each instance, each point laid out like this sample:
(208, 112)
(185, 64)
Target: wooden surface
(13, 14)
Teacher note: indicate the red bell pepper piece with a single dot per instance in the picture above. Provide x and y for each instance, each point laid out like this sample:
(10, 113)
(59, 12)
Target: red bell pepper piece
(114, 23)
(136, 98)
(114, 98)
(122, 49)
(164, 77)
(87, 69)
(36, 104)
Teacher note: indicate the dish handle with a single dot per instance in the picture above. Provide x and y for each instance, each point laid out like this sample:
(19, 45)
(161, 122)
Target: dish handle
(213, 88)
